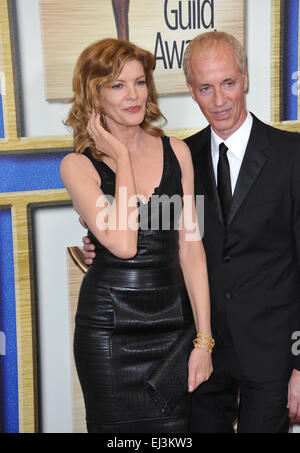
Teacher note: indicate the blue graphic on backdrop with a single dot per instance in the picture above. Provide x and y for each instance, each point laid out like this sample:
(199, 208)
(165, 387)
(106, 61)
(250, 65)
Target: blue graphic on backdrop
(22, 172)
(2, 92)
(289, 55)
(8, 338)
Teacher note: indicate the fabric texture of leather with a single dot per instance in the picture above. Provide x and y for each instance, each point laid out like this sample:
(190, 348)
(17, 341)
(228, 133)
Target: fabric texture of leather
(130, 313)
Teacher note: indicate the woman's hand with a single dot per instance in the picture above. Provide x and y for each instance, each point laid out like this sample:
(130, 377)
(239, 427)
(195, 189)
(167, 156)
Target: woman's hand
(200, 368)
(104, 141)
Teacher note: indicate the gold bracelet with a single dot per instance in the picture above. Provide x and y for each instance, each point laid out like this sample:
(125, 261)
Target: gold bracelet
(204, 341)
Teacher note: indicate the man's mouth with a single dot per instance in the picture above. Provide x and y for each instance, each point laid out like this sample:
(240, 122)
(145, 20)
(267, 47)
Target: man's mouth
(222, 113)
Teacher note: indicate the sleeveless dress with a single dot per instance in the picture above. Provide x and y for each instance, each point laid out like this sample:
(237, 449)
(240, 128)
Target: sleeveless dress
(130, 312)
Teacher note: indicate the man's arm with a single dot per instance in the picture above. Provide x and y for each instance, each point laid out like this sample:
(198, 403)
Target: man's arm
(294, 384)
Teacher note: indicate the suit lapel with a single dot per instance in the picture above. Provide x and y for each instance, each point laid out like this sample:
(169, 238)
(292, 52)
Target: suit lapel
(252, 165)
(254, 160)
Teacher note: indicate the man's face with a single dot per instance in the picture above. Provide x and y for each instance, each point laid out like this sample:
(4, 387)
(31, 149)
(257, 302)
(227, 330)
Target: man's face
(218, 86)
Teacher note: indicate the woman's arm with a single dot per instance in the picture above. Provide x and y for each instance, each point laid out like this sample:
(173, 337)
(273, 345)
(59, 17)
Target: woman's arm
(193, 264)
(108, 222)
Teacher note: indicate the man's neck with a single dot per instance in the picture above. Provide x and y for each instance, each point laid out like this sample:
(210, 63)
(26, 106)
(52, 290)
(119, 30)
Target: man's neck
(227, 134)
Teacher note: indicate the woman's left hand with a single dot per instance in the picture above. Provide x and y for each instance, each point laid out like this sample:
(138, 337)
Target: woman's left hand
(200, 368)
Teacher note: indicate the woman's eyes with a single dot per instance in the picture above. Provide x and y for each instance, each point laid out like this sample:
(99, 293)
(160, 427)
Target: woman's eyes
(120, 85)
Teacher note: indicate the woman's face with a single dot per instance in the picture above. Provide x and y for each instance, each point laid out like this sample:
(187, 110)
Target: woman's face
(124, 101)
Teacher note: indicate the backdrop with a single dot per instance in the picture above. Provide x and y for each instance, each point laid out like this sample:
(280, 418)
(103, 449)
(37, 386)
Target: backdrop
(38, 277)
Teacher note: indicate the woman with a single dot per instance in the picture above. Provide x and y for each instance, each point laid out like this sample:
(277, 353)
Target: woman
(132, 304)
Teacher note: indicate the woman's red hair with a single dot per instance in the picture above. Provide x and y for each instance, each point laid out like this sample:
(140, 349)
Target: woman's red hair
(99, 64)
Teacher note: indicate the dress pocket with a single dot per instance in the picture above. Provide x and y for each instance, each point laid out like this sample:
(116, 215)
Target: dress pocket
(149, 311)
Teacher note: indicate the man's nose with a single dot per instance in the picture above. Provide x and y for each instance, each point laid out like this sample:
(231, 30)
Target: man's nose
(219, 98)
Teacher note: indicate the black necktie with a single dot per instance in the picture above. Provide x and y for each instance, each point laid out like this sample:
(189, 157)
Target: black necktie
(224, 183)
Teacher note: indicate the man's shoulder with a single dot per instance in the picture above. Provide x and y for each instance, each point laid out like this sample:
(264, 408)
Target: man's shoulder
(275, 133)
(198, 139)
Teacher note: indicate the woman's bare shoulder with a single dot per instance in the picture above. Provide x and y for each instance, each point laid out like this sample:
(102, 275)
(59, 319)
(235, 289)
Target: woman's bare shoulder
(181, 151)
(74, 159)
(77, 164)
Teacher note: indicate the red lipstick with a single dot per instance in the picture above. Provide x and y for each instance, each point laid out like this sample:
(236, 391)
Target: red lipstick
(133, 109)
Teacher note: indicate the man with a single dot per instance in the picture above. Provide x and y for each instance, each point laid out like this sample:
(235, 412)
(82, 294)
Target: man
(249, 174)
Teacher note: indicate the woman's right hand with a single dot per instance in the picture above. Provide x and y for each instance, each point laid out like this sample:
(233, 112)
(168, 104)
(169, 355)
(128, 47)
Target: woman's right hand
(104, 141)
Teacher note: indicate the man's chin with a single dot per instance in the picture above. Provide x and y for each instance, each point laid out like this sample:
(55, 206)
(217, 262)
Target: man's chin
(223, 128)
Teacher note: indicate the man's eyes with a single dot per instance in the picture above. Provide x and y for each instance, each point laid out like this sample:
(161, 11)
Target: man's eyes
(227, 84)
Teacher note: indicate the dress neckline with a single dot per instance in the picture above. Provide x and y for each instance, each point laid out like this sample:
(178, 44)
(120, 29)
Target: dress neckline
(156, 189)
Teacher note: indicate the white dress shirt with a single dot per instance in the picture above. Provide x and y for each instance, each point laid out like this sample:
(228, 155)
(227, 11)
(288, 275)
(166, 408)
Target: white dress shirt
(236, 144)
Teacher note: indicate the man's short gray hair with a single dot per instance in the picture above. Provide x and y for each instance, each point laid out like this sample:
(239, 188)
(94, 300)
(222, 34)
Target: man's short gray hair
(207, 43)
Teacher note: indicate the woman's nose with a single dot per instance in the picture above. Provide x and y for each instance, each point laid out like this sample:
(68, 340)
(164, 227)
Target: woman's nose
(132, 92)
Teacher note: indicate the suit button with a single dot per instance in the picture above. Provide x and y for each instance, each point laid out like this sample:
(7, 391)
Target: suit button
(227, 259)
(228, 295)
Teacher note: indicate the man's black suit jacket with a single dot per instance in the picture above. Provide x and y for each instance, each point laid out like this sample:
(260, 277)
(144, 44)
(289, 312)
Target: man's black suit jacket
(254, 261)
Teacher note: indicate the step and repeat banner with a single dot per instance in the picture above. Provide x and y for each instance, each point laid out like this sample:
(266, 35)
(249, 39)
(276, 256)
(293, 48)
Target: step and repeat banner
(163, 27)
(285, 36)
(41, 266)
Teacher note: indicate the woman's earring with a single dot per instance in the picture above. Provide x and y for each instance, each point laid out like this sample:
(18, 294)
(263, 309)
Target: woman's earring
(103, 120)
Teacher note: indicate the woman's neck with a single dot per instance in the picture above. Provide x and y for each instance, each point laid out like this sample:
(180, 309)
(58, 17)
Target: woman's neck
(130, 136)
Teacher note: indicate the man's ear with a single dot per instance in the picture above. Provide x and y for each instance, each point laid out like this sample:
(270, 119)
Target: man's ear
(246, 81)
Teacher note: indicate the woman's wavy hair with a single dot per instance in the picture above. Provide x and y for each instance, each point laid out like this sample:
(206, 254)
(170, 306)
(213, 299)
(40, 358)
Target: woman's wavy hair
(99, 64)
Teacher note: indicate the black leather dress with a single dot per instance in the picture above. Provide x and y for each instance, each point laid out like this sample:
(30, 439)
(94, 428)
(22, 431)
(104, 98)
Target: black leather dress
(129, 314)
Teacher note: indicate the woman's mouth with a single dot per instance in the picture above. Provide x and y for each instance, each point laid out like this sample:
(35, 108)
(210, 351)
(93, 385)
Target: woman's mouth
(133, 109)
